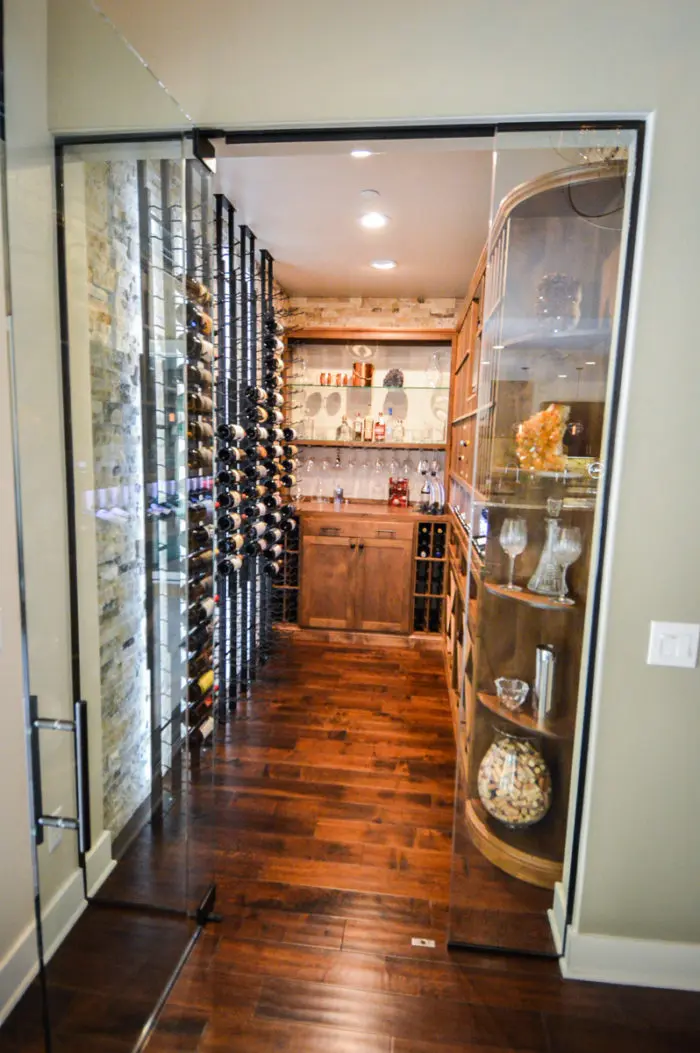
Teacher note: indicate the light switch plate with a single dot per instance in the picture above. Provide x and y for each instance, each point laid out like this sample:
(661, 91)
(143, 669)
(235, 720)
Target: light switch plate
(674, 643)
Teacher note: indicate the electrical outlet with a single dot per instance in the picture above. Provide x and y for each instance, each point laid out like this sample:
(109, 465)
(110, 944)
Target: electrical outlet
(419, 941)
(54, 835)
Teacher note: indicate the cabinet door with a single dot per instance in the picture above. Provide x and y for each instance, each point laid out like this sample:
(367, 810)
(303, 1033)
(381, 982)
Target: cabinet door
(328, 582)
(384, 585)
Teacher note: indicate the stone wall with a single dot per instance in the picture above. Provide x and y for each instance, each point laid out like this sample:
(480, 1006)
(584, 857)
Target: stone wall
(115, 321)
(373, 312)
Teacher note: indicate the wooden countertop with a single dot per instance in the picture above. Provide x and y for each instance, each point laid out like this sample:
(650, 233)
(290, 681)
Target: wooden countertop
(365, 509)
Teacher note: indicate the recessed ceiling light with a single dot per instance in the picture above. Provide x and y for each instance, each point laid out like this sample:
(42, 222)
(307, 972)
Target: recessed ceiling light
(374, 220)
(360, 153)
(498, 347)
(383, 265)
(590, 363)
(562, 376)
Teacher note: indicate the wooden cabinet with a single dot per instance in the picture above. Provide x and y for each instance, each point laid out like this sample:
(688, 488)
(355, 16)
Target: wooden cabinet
(356, 575)
(328, 582)
(383, 585)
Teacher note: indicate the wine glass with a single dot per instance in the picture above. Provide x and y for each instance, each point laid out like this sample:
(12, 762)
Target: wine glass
(567, 549)
(513, 538)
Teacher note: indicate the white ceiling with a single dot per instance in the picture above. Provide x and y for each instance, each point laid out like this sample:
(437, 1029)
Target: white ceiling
(303, 202)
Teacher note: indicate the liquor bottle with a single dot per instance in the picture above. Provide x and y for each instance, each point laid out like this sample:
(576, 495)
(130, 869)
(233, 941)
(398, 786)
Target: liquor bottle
(231, 433)
(198, 689)
(197, 291)
(379, 428)
(197, 589)
(399, 431)
(229, 565)
(289, 434)
(229, 499)
(257, 413)
(368, 428)
(257, 434)
(230, 454)
(344, 433)
(358, 427)
(199, 349)
(288, 479)
(273, 568)
(201, 611)
(199, 536)
(199, 403)
(200, 457)
(198, 430)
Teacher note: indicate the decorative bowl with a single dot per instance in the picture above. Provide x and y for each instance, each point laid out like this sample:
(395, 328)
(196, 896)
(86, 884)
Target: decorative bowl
(511, 692)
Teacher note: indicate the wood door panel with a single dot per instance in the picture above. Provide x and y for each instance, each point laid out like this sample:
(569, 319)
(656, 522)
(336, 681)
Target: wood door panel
(328, 583)
(384, 588)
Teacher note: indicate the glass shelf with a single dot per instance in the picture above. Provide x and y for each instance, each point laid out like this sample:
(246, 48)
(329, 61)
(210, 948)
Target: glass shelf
(362, 388)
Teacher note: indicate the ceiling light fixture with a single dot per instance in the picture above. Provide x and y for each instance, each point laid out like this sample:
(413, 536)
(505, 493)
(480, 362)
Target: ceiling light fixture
(374, 220)
(383, 265)
(360, 153)
(498, 347)
(590, 363)
(562, 376)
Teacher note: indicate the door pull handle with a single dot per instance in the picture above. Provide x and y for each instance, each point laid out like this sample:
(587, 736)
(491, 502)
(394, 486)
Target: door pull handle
(78, 727)
(361, 546)
(353, 545)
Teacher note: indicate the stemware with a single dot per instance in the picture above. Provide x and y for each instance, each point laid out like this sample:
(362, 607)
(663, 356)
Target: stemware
(567, 549)
(513, 538)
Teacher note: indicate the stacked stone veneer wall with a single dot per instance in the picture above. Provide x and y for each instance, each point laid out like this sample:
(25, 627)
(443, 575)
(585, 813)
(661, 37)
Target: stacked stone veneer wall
(116, 336)
(358, 312)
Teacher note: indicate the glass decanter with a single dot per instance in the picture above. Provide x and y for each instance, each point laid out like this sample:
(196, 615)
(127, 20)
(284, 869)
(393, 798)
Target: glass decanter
(433, 374)
(547, 578)
(399, 431)
(344, 433)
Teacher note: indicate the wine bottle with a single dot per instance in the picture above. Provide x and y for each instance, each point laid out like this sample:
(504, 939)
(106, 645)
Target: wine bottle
(201, 559)
(226, 522)
(258, 528)
(229, 477)
(274, 518)
(255, 395)
(289, 434)
(199, 403)
(254, 546)
(197, 689)
(277, 416)
(273, 568)
(275, 398)
(199, 349)
(199, 735)
(289, 526)
(197, 291)
(198, 637)
(273, 534)
(199, 376)
(199, 513)
(201, 663)
(288, 479)
(235, 519)
(199, 536)
(257, 434)
(230, 433)
(199, 320)
(201, 610)
(277, 434)
(231, 544)
(275, 552)
(288, 464)
(200, 457)
(256, 508)
(274, 381)
(291, 451)
(229, 565)
(230, 454)
(198, 430)
(257, 413)
(197, 589)
(272, 501)
(229, 499)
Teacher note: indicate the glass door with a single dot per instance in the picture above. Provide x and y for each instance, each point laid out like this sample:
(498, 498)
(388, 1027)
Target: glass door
(534, 424)
(105, 245)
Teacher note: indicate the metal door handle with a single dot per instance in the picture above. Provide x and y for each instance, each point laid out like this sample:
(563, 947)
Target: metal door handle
(78, 726)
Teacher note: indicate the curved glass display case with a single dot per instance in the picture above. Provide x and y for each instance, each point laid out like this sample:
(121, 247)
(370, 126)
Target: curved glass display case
(533, 385)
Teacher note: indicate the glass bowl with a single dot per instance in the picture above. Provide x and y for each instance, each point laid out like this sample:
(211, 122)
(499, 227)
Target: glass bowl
(511, 693)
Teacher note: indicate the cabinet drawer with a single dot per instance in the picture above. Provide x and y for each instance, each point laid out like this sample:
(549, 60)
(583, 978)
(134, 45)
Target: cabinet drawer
(356, 526)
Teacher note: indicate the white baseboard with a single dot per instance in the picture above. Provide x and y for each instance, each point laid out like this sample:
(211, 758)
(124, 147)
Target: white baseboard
(620, 960)
(99, 863)
(20, 965)
(557, 917)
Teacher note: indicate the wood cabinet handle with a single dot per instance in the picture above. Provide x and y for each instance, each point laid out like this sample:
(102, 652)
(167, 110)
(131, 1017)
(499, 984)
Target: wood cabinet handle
(361, 546)
(386, 533)
(352, 544)
(333, 531)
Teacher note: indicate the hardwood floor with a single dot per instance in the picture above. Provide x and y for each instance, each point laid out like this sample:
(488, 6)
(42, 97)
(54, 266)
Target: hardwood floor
(332, 827)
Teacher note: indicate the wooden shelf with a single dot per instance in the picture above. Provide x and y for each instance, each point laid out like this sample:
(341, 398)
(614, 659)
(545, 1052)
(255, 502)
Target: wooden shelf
(430, 559)
(531, 599)
(372, 445)
(522, 718)
(526, 866)
(472, 608)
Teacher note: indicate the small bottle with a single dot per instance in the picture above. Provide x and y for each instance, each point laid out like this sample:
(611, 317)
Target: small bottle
(389, 435)
(399, 431)
(380, 428)
(368, 430)
(344, 434)
(358, 428)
